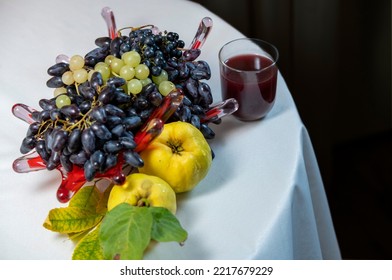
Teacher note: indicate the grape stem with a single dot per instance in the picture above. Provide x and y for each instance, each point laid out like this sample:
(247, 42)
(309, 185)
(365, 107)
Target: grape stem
(134, 28)
(83, 120)
(39, 133)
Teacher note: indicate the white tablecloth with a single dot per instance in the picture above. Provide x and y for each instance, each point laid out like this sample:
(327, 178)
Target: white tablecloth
(263, 197)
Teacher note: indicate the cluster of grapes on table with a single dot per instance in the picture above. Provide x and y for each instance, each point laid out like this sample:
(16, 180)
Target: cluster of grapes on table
(103, 99)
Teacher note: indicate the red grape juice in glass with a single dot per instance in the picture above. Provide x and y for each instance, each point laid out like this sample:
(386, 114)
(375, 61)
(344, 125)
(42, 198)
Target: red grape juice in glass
(251, 79)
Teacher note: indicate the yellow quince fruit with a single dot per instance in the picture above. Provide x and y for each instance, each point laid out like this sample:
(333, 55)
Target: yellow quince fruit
(143, 190)
(180, 155)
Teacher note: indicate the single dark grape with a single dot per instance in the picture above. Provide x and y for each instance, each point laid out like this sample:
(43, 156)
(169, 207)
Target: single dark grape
(47, 104)
(28, 144)
(133, 158)
(60, 138)
(112, 146)
(55, 82)
(192, 87)
(55, 114)
(103, 41)
(96, 80)
(54, 160)
(85, 106)
(191, 55)
(132, 122)
(113, 110)
(98, 114)
(155, 98)
(101, 131)
(33, 129)
(74, 140)
(40, 148)
(112, 121)
(205, 94)
(88, 140)
(128, 142)
(115, 46)
(87, 91)
(118, 130)
(116, 82)
(79, 158)
(195, 121)
(98, 160)
(89, 170)
(58, 69)
(66, 163)
(121, 97)
(71, 111)
(96, 55)
(208, 133)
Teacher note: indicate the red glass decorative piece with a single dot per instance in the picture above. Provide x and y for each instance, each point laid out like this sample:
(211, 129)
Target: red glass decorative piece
(72, 181)
(201, 33)
(108, 16)
(28, 163)
(221, 109)
(148, 133)
(23, 112)
(168, 106)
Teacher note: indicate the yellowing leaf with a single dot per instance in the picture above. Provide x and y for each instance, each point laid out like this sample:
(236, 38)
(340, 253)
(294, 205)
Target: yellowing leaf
(86, 209)
(86, 198)
(77, 236)
(71, 219)
(126, 232)
(89, 247)
(47, 224)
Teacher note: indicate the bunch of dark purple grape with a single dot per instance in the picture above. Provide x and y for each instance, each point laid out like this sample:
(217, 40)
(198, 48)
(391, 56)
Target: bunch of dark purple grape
(104, 98)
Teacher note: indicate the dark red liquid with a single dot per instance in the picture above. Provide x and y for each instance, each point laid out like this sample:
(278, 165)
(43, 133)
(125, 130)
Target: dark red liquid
(253, 87)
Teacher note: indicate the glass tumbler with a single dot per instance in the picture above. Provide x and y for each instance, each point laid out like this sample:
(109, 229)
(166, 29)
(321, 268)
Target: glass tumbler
(248, 73)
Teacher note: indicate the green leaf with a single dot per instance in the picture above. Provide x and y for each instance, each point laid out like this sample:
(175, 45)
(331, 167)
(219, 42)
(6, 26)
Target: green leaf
(126, 232)
(86, 198)
(166, 227)
(89, 247)
(71, 219)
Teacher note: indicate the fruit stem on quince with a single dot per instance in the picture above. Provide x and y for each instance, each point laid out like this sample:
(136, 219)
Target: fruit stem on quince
(176, 146)
(143, 202)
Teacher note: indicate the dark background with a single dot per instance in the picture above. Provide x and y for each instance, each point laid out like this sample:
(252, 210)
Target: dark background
(336, 59)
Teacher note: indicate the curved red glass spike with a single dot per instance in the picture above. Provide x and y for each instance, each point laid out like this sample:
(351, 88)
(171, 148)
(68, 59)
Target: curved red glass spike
(28, 163)
(74, 180)
(23, 112)
(221, 109)
(108, 16)
(71, 181)
(155, 30)
(149, 132)
(154, 125)
(168, 106)
(62, 58)
(201, 33)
